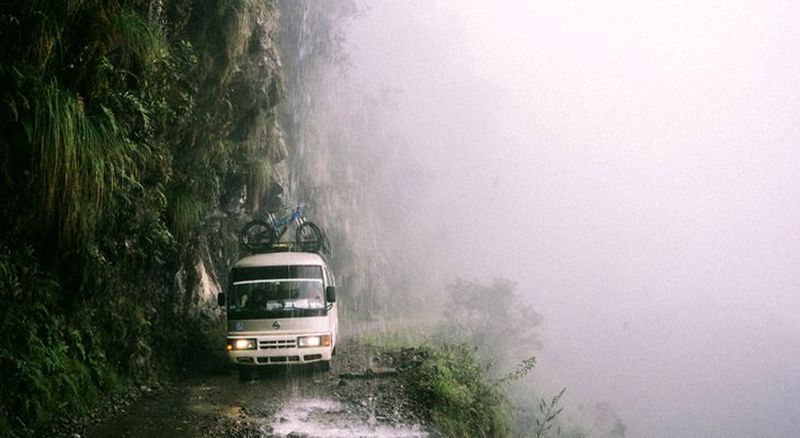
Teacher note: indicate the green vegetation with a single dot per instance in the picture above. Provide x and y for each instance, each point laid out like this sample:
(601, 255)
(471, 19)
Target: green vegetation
(45, 364)
(459, 378)
(548, 411)
(126, 128)
(467, 374)
(450, 387)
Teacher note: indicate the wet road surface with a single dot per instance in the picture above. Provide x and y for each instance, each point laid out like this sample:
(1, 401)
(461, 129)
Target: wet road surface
(294, 402)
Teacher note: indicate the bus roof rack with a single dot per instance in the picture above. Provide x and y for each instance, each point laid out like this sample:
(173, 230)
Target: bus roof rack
(292, 246)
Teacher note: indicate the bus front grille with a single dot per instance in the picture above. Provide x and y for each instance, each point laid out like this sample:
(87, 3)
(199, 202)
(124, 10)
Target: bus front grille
(279, 359)
(277, 344)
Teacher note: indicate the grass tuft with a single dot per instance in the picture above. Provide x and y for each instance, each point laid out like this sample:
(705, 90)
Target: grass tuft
(137, 39)
(81, 162)
(185, 213)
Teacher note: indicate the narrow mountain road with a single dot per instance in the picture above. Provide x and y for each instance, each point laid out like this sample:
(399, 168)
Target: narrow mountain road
(293, 402)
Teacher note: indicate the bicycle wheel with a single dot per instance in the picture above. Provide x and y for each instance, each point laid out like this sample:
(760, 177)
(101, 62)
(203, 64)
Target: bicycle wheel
(257, 235)
(309, 237)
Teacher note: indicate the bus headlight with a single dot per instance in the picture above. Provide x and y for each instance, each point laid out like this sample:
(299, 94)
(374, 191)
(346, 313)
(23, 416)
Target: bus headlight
(314, 341)
(241, 344)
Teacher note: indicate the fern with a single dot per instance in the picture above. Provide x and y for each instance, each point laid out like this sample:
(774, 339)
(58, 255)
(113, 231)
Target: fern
(111, 118)
(546, 417)
(522, 370)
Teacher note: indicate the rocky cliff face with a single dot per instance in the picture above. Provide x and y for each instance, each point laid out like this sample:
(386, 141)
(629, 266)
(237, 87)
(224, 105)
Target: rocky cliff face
(243, 67)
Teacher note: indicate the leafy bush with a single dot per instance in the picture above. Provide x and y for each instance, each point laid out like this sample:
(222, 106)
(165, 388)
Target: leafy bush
(46, 366)
(452, 391)
(502, 328)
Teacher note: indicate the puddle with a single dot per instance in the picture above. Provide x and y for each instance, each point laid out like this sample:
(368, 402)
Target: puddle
(321, 418)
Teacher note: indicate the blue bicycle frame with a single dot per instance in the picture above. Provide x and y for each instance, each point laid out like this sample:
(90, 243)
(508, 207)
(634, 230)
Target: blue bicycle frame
(279, 225)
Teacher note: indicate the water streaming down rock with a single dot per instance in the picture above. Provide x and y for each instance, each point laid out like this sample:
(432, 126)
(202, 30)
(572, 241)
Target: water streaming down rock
(312, 135)
(249, 74)
(289, 114)
(327, 163)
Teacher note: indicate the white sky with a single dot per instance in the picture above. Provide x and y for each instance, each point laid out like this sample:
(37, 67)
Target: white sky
(635, 167)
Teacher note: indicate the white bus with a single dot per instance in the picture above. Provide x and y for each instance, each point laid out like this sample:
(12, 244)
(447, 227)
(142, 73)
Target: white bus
(281, 310)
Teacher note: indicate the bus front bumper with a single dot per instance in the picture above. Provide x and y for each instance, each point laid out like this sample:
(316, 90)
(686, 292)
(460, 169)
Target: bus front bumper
(271, 350)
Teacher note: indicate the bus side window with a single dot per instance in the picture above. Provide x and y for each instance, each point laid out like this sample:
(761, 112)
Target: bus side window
(329, 277)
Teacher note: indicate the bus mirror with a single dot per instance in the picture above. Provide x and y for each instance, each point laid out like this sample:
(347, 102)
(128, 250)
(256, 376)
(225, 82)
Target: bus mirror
(221, 299)
(330, 294)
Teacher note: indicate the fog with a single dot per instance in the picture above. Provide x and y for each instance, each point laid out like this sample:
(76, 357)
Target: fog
(633, 166)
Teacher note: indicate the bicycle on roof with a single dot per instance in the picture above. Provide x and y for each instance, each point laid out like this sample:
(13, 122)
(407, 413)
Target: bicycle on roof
(261, 235)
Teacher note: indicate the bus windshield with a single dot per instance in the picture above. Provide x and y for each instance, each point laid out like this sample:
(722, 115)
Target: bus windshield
(277, 292)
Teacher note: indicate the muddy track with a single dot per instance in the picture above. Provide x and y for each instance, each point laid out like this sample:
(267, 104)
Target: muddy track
(295, 402)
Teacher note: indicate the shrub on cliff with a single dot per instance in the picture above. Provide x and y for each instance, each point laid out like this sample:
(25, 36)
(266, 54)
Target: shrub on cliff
(452, 391)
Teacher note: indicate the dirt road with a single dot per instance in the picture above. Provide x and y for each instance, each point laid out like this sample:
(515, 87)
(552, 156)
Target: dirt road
(293, 402)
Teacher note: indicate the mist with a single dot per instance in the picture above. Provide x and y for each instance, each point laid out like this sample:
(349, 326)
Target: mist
(633, 167)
